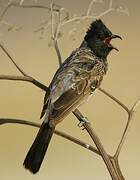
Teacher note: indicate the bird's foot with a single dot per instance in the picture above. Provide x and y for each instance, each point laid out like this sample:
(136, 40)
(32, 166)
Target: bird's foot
(82, 122)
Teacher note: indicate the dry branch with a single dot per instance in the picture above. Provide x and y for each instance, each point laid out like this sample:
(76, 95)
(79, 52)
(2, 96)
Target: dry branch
(25, 77)
(10, 5)
(126, 130)
(9, 56)
(98, 144)
(59, 133)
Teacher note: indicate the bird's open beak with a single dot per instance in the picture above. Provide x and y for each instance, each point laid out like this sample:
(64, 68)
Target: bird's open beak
(108, 41)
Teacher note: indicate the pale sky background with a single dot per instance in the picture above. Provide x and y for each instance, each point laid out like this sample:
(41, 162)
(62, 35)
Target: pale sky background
(22, 100)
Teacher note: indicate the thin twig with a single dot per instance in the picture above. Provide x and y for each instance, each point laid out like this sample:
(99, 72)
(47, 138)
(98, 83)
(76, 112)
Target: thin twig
(114, 99)
(111, 4)
(90, 7)
(54, 35)
(58, 52)
(27, 6)
(6, 52)
(126, 130)
(88, 16)
(57, 23)
(26, 79)
(52, 20)
(59, 133)
(79, 18)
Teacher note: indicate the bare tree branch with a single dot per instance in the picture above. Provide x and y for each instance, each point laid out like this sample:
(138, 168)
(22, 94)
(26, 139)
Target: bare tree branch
(126, 130)
(56, 8)
(98, 144)
(90, 7)
(110, 8)
(116, 166)
(67, 19)
(15, 64)
(26, 79)
(58, 52)
(114, 99)
(59, 133)
(88, 16)
(54, 34)
(111, 4)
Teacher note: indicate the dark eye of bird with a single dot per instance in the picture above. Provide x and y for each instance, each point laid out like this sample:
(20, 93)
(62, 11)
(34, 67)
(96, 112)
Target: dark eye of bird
(100, 37)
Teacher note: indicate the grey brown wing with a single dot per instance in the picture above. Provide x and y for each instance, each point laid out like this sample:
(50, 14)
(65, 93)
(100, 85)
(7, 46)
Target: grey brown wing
(45, 102)
(68, 101)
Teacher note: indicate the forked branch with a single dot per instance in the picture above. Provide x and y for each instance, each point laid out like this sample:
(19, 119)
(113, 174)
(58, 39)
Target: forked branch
(25, 77)
(126, 130)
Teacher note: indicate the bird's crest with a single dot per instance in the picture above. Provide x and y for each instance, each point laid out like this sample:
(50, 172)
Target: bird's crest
(97, 28)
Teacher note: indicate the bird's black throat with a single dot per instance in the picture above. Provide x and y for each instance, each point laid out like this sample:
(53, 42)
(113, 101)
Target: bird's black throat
(97, 48)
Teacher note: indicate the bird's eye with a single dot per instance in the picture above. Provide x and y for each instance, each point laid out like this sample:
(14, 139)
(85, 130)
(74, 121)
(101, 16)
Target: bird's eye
(101, 37)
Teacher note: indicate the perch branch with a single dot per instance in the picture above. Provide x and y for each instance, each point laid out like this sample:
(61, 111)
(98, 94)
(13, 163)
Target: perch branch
(59, 133)
(98, 144)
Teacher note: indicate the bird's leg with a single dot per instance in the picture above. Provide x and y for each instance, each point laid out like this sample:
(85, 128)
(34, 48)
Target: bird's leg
(94, 85)
(92, 89)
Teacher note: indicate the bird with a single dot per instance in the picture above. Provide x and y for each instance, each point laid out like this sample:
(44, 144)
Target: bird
(75, 80)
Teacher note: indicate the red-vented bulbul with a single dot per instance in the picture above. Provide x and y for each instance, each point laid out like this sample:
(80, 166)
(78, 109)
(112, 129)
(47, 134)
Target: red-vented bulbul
(77, 78)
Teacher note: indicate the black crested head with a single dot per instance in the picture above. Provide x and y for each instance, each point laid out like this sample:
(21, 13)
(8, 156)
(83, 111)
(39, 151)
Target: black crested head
(98, 38)
(97, 28)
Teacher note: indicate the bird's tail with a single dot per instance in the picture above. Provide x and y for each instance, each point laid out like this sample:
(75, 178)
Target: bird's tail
(38, 149)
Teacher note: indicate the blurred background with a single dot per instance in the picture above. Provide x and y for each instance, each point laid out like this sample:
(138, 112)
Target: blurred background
(32, 49)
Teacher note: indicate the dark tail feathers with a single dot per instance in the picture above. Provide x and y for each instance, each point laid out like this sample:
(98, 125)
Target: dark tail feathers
(38, 149)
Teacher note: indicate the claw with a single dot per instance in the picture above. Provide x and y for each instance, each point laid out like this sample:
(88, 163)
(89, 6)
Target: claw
(85, 120)
(82, 122)
(83, 128)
